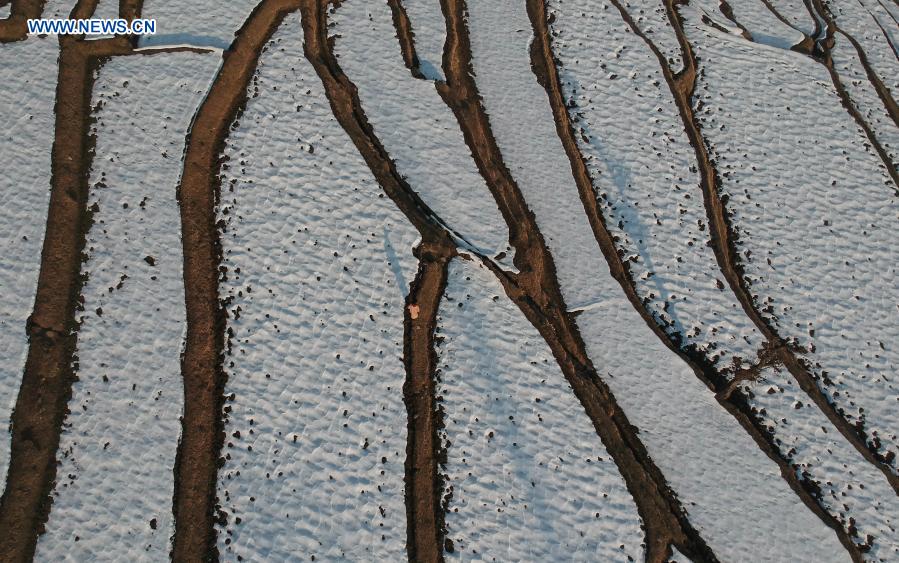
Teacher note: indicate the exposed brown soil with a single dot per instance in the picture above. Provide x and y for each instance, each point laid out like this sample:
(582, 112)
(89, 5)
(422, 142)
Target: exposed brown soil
(681, 85)
(202, 436)
(406, 36)
(425, 527)
(13, 28)
(46, 386)
(130, 9)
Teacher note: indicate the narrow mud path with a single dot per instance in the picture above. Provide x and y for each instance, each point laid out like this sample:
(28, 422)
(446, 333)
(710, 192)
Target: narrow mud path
(682, 84)
(721, 235)
(406, 36)
(535, 290)
(348, 111)
(41, 405)
(425, 528)
(196, 467)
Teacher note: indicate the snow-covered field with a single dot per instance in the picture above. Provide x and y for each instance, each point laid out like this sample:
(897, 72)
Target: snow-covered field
(708, 344)
(856, 494)
(651, 17)
(647, 181)
(318, 266)
(867, 34)
(684, 288)
(417, 129)
(714, 467)
(815, 217)
(211, 23)
(121, 435)
(429, 28)
(26, 140)
(527, 476)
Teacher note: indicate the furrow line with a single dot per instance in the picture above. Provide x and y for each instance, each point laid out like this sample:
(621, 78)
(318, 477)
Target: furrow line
(426, 531)
(543, 312)
(883, 31)
(424, 506)
(721, 235)
(882, 91)
(406, 36)
(348, 111)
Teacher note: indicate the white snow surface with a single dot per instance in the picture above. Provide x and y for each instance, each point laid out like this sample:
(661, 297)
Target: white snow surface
(795, 12)
(208, 23)
(886, 14)
(418, 130)
(529, 477)
(733, 494)
(852, 490)
(318, 262)
(763, 25)
(57, 9)
(5, 11)
(816, 217)
(864, 96)
(873, 35)
(522, 122)
(652, 18)
(26, 140)
(677, 556)
(656, 212)
(429, 28)
(113, 494)
(858, 20)
(107, 9)
(646, 179)
(732, 491)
